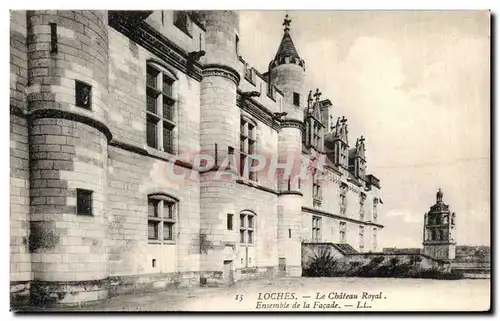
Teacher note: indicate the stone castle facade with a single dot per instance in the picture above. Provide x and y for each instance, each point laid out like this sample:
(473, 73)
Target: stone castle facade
(103, 103)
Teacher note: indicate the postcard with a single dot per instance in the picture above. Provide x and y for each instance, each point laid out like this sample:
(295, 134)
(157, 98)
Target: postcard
(259, 161)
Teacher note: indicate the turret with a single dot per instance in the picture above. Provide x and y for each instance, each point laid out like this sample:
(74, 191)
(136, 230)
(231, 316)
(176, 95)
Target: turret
(219, 136)
(68, 93)
(287, 73)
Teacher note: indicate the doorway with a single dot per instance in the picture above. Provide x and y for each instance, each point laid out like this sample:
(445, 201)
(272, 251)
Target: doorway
(282, 265)
(227, 275)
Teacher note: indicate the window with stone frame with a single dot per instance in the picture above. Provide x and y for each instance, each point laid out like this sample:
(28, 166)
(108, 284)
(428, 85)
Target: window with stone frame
(296, 99)
(343, 198)
(160, 109)
(343, 155)
(247, 228)
(248, 147)
(374, 238)
(83, 95)
(316, 138)
(362, 198)
(162, 218)
(316, 229)
(83, 201)
(342, 231)
(375, 209)
(361, 237)
(317, 192)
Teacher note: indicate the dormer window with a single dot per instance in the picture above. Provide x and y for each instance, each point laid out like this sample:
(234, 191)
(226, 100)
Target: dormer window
(183, 22)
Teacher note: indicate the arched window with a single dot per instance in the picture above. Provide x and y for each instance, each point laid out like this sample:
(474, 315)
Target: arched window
(160, 107)
(162, 217)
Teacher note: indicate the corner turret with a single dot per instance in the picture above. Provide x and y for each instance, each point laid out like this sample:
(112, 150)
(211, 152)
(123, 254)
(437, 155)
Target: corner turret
(287, 73)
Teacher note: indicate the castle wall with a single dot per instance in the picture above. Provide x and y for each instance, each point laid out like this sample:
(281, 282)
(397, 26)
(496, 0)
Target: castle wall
(127, 108)
(132, 177)
(20, 261)
(163, 21)
(73, 258)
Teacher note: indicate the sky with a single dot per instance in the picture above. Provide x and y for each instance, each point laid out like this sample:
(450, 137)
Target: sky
(416, 85)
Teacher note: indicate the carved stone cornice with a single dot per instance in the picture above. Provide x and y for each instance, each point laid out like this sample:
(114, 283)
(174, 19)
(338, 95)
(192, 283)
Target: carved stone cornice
(221, 71)
(292, 123)
(68, 115)
(257, 111)
(153, 41)
(339, 217)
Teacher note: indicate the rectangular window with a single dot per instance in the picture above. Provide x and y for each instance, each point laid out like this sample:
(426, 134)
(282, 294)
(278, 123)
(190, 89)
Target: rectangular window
(162, 216)
(83, 202)
(151, 128)
(152, 77)
(247, 224)
(361, 237)
(168, 138)
(343, 198)
(160, 110)
(53, 37)
(247, 149)
(316, 229)
(342, 231)
(317, 195)
(167, 231)
(229, 221)
(296, 99)
(250, 221)
(167, 86)
(375, 210)
(83, 95)
(152, 230)
(153, 208)
(374, 238)
(169, 209)
(362, 199)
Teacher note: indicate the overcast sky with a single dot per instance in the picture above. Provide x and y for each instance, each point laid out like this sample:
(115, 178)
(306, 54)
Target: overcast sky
(416, 84)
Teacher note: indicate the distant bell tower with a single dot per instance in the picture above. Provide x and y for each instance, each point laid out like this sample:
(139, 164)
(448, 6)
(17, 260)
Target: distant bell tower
(439, 231)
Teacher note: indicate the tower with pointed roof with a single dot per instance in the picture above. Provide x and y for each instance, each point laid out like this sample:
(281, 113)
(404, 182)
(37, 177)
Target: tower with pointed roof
(287, 72)
(439, 230)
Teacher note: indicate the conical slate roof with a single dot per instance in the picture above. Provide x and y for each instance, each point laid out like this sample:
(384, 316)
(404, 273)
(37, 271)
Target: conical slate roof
(286, 48)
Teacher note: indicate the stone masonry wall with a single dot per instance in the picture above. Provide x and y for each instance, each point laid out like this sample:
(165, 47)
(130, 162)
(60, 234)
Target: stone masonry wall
(20, 264)
(131, 178)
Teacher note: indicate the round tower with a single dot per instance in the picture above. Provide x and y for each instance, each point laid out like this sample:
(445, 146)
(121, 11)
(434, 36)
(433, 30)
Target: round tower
(219, 136)
(287, 73)
(67, 95)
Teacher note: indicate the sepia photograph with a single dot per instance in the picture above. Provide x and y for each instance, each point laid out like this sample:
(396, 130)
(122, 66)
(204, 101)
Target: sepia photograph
(250, 160)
